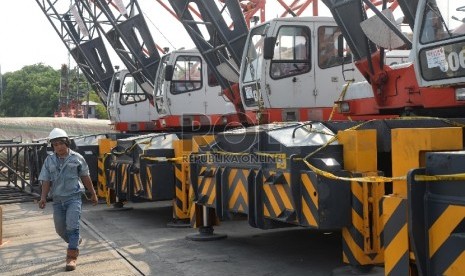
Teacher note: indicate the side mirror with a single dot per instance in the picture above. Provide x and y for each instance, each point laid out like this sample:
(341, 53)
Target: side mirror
(169, 71)
(268, 47)
(340, 46)
(116, 86)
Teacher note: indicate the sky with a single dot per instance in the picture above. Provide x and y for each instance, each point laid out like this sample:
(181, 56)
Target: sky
(28, 38)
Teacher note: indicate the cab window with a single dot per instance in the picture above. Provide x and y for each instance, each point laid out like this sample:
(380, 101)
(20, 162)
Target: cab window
(327, 48)
(131, 92)
(441, 21)
(291, 52)
(187, 74)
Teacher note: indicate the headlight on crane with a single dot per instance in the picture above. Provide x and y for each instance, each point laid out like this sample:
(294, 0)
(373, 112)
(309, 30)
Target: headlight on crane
(344, 107)
(163, 122)
(460, 94)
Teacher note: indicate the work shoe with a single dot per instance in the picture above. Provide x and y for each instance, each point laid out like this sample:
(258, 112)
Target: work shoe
(71, 259)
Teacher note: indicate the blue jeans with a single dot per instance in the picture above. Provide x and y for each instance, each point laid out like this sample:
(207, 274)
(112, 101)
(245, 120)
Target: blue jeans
(67, 215)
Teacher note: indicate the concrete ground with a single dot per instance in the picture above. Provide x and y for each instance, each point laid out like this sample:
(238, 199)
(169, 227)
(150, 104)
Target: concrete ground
(31, 246)
(138, 242)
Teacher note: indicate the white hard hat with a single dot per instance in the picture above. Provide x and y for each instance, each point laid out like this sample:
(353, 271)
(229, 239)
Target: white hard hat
(57, 133)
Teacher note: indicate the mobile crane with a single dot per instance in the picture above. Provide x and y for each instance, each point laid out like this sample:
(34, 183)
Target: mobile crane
(294, 173)
(167, 86)
(130, 170)
(352, 176)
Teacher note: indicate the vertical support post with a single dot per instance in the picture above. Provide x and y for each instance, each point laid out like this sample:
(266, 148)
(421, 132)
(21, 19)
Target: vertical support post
(181, 205)
(362, 244)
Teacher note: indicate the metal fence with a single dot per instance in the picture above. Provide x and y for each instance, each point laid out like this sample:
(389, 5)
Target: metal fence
(20, 165)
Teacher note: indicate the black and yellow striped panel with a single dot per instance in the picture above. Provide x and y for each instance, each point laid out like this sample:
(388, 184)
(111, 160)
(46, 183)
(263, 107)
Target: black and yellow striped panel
(123, 178)
(193, 216)
(137, 182)
(277, 197)
(104, 159)
(309, 202)
(106, 180)
(361, 240)
(148, 184)
(111, 178)
(101, 177)
(237, 190)
(446, 240)
(206, 186)
(396, 242)
(181, 200)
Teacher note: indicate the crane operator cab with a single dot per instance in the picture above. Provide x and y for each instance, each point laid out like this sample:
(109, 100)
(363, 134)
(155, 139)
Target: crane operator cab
(128, 107)
(291, 71)
(187, 95)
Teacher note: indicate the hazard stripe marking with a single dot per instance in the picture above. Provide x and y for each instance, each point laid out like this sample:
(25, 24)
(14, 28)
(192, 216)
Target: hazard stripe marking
(149, 182)
(237, 194)
(396, 237)
(284, 193)
(273, 193)
(457, 267)
(310, 188)
(443, 227)
(266, 212)
(309, 194)
(401, 267)
(179, 193)
(355, 231)
(309, 217)
(351, 250)
(125, 177)
(271, 202)
(137, 183)
(207, 188)
(395, 222)
(446, 246)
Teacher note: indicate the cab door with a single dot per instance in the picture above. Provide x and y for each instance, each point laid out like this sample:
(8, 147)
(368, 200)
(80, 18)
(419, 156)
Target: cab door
(331, 70)
(127, 102)
(132, 104)
(187, 92)
(215, 102)
(289, 79)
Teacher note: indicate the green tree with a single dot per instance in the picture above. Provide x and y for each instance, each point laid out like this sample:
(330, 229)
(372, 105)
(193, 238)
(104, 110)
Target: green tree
(30, 92)
(34, 91)
(100, 110)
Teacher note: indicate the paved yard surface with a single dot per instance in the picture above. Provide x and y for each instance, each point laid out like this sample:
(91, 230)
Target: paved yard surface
(138, 242)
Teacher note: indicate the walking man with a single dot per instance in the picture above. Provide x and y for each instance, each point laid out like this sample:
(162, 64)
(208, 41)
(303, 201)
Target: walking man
(63, 173)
